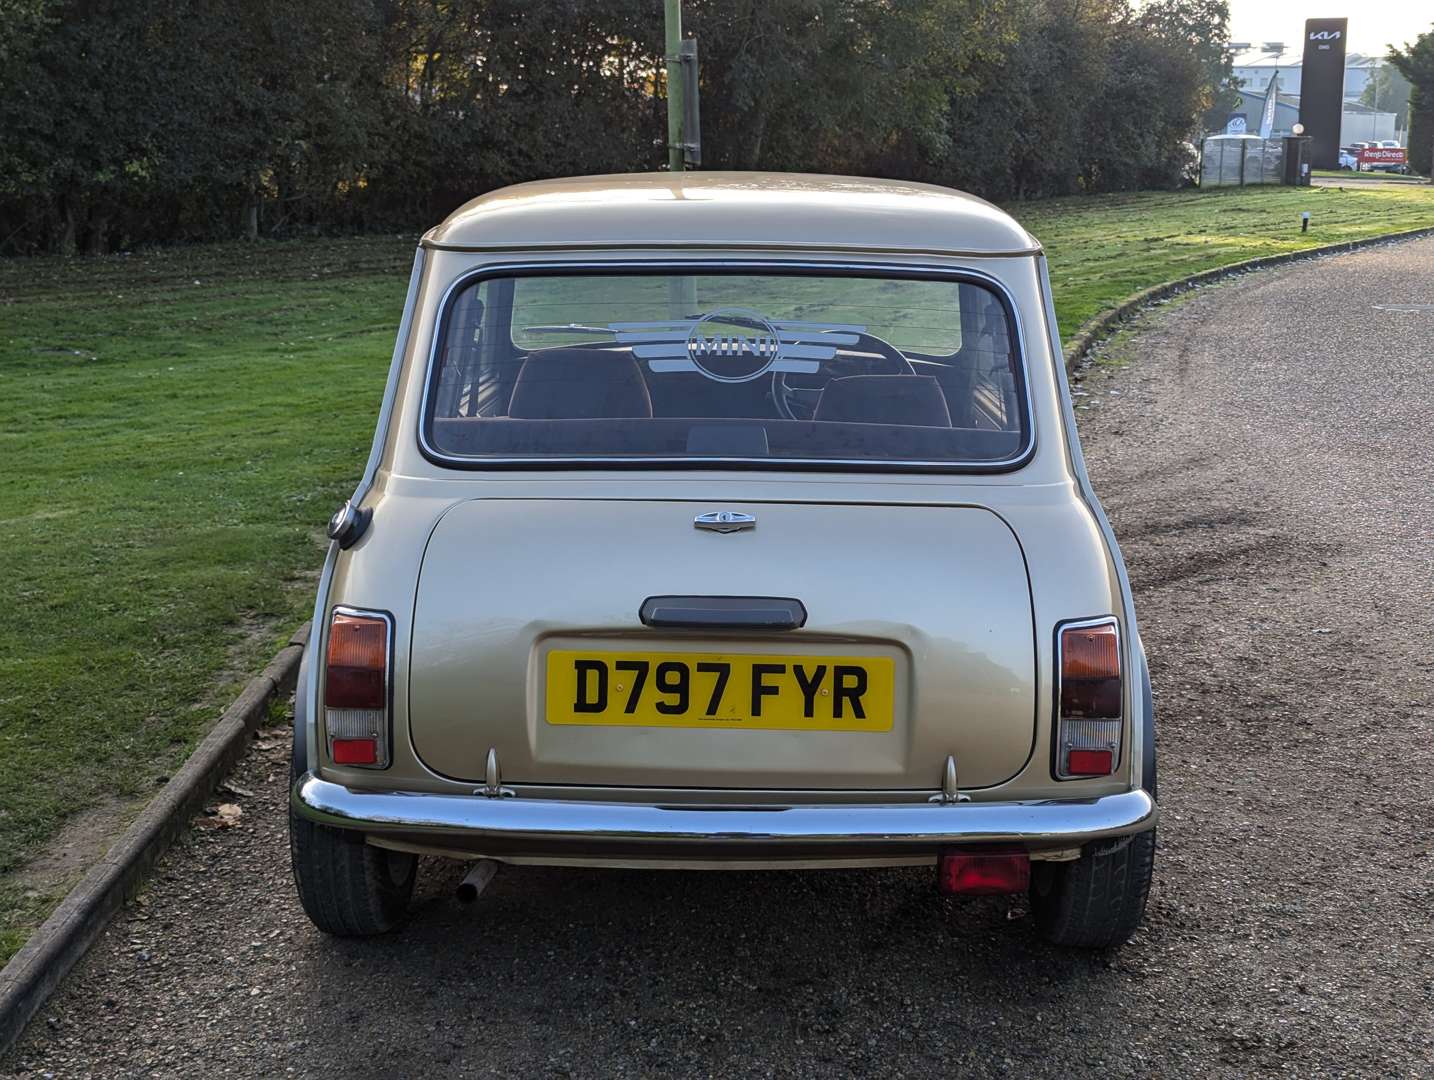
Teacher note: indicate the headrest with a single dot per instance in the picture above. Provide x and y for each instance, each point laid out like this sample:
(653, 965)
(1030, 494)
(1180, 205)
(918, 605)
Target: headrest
(579, 384)
(912, 400)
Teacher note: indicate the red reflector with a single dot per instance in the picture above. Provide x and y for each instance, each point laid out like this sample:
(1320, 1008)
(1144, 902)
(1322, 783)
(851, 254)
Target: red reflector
(358, 656)
(1089, 763)
(355, 751)
(986, 873)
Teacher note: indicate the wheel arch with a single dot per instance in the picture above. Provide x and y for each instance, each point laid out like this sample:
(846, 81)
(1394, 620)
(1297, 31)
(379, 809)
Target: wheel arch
(1147, 742)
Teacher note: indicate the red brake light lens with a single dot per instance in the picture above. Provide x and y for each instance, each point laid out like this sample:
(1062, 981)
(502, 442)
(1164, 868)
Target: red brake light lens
(357, 663)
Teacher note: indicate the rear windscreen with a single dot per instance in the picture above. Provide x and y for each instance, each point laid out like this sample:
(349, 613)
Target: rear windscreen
(731, 366)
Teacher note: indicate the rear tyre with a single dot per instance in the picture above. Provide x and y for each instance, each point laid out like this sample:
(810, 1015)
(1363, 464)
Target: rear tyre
(348, 888)
(1097, 901)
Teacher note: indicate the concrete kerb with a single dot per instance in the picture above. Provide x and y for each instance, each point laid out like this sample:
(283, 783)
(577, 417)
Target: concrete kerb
(1101, 327)
(34, 972)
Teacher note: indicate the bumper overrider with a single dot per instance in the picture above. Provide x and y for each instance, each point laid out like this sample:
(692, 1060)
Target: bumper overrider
(533, 828)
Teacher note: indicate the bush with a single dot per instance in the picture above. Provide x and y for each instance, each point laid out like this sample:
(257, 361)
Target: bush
(133, 122)
(1416, 63)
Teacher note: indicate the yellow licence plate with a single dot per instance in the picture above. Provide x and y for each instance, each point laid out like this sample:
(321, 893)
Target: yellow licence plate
(746, 691)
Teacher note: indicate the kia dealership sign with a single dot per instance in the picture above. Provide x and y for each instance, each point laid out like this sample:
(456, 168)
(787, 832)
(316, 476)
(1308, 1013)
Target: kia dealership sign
(1322, 88)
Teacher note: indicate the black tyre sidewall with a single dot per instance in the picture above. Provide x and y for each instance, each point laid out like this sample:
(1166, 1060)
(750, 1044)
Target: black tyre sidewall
(1097, 901)
(347, 887)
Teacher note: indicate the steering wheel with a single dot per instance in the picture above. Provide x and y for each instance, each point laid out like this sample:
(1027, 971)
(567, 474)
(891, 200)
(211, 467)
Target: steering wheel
(800, 402)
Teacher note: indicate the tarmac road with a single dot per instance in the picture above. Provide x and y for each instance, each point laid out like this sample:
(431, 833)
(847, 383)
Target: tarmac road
(1266, 457)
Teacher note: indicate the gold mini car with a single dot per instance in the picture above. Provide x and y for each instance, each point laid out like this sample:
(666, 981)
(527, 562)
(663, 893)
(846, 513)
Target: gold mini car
(727, 520)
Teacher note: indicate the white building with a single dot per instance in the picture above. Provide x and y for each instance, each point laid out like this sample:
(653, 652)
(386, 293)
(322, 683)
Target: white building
(1254, 69)
(1359, 122)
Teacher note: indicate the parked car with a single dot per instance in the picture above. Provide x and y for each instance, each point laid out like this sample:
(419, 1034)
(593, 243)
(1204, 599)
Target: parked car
(727, 520)
(1348, 158)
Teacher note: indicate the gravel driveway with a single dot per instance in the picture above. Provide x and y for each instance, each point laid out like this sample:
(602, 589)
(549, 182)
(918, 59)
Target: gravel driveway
(1273, 486)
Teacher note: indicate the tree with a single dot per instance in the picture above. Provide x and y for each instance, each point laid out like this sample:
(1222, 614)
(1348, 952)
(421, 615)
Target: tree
(1416, 63)
(1166, 88)
(834, 85)
(25, 95)
(1202, 27)
(1388, 91)
(1087, 95)
(150, 121)
(490, 92)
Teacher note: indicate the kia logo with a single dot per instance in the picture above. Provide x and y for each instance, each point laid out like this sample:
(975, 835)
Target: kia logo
(1325, 35)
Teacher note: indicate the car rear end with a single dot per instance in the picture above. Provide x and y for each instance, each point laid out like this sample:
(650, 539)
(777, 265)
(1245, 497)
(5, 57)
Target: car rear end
(727, 559)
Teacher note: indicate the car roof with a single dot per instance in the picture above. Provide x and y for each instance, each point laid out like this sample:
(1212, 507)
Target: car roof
(732, 210)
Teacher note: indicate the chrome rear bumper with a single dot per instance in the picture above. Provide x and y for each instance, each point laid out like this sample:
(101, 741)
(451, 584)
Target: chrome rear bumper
(530, 828)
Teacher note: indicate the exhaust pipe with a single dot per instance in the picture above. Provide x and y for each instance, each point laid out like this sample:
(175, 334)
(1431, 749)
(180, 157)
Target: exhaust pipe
(476, 880)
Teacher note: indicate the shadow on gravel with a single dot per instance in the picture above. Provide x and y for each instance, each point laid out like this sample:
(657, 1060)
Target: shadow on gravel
(678, 971)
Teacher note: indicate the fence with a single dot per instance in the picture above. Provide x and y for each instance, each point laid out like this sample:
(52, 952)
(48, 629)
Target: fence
(1229, 160)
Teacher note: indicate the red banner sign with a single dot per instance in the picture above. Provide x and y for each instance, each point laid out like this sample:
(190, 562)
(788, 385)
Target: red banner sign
(1383, 155)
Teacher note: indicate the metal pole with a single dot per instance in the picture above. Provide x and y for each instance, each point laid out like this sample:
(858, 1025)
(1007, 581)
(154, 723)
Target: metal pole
(675, 138)
(681, 290)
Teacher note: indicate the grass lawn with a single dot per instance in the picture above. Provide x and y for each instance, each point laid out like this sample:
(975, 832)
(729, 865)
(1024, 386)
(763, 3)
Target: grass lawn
(177, 426)
(175, 429)
(1104, 248)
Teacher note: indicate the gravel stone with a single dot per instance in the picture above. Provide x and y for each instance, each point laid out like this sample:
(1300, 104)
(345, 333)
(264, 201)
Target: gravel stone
(1267, 464)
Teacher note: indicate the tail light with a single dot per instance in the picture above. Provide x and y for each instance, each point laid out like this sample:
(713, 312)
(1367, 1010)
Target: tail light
(356, 687)
(1090, 699)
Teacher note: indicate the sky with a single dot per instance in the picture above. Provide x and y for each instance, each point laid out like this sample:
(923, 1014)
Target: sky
(1373, 24)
